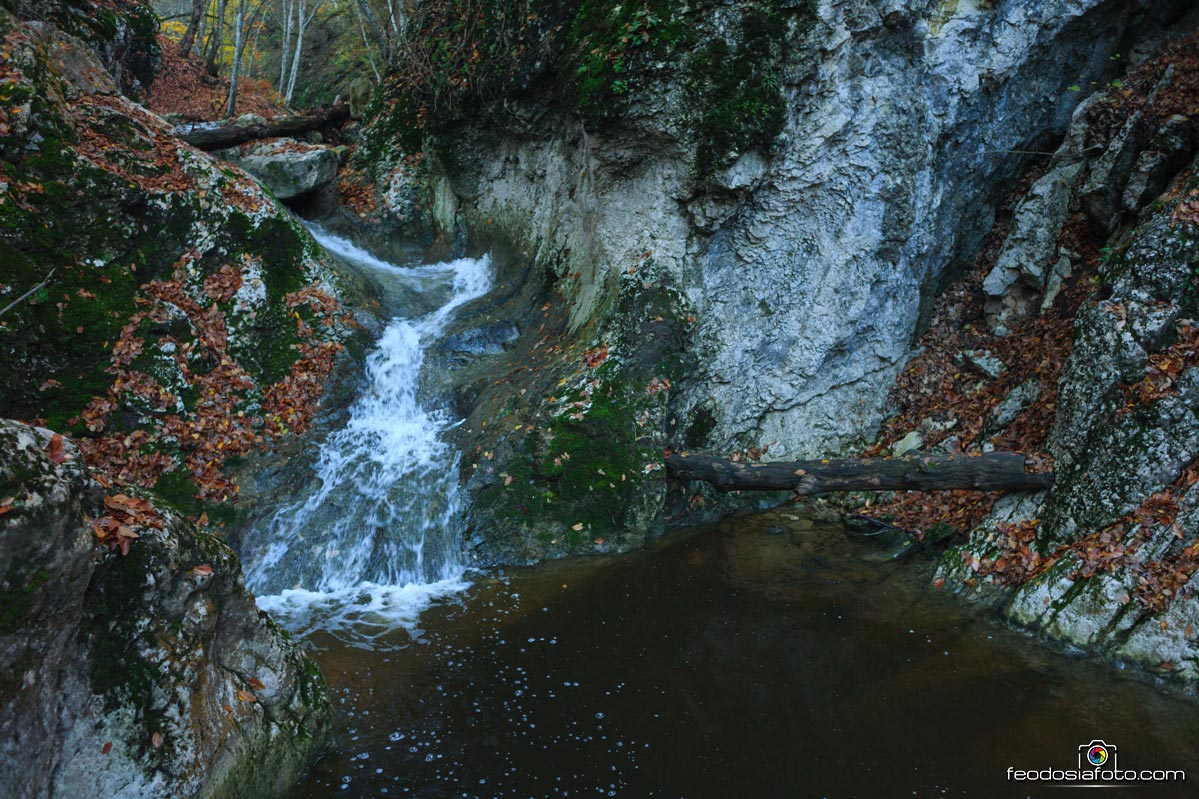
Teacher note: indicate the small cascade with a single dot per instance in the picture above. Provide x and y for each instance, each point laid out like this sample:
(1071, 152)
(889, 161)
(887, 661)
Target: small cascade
(378, 536)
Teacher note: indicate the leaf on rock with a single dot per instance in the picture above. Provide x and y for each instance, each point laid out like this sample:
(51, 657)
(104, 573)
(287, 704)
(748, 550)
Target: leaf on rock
(54, 450)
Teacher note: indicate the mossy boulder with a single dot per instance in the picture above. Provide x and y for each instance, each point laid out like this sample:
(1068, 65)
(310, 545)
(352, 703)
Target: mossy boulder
(289, 168)
(168, 288)
(149, 674)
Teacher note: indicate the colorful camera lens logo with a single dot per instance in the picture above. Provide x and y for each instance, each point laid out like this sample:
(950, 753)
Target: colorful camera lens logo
(1097, 755)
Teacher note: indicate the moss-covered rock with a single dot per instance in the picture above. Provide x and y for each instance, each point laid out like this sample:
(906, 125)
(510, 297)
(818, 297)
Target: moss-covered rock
(1105, 561)
(150, 674)
(177, 309)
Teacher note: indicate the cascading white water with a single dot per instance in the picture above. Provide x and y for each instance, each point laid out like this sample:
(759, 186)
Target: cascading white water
(378, 537)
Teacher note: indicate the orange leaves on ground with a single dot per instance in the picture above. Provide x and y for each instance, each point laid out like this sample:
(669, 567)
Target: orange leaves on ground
(657, 385)
(224, 284)
(145, 154)
(1160, 582)
(1115, 546)
(140, 384)
(315, 298)
(355, 191)
(217, 427)
(126, 456)
(1166, 366)
(937, 387)
(291, 403)
(183, 86)
(128, 345)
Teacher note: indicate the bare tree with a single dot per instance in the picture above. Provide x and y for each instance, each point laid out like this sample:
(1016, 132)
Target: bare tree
(199, 9)
(216, 39)
(302, 21)
(242, 34)
(367, 17)
(238, 43)
(287, 10)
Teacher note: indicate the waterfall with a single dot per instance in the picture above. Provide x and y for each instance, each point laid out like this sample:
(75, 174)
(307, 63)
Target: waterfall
(378, 536)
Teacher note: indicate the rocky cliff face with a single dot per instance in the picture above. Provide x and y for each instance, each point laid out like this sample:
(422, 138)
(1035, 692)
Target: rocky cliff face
(792, 179)
(1104, 561)
(146, 674)
(807, 263)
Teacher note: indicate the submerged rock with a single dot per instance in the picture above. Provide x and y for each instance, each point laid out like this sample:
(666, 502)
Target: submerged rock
(141, 676)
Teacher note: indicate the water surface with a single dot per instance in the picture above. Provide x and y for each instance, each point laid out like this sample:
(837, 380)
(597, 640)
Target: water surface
(762, 658)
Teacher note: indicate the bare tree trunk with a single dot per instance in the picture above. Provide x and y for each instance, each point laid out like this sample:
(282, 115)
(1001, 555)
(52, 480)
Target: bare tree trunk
(254, 42)
(381, 35)
(397, 16)
(367, 17)
(287, 7)
(199, 8)
(218, 33)
(297, 52)
(235, 72)
(302, 21)
(994, 471)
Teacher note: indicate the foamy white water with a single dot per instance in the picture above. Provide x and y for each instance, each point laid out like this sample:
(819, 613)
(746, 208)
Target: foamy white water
(378, 538)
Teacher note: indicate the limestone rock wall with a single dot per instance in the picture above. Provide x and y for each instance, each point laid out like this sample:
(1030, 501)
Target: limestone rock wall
(800, 272)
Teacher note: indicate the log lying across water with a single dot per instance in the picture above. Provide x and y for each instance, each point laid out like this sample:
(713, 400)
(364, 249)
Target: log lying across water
(207, 136)
(993, 471)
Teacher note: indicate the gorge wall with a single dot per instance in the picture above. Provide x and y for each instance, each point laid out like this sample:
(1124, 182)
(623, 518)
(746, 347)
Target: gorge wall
(777, 193)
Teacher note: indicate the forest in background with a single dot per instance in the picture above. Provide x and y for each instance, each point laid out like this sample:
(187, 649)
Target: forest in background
(259, 55)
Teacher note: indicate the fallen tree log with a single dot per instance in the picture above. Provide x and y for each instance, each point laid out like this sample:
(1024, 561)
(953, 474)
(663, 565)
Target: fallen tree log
(209, 136)
(993, 471)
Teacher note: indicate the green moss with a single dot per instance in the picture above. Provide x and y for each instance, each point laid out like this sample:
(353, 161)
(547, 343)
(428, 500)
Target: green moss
(118, 673)
(738, 89)
(16, 596)
(594, 58)
(130, 28)
(609, 47)
(701, 427)
(582, 473)
(178, 489)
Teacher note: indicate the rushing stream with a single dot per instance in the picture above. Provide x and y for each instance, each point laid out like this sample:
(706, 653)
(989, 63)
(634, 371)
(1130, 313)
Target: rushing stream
(378, 536)
(767, 657)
